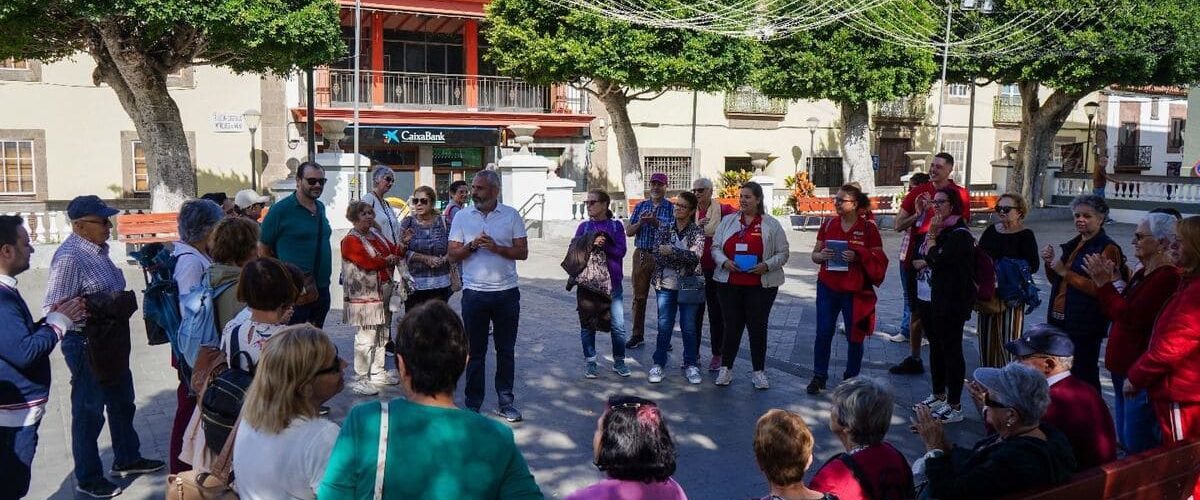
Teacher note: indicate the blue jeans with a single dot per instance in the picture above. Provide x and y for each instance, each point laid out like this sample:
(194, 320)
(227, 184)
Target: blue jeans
(89, 402)
(829, 304)
(906, 318)
(619, 337)
(17, 445)
(689, 316)
(1137, 425)
(498, 312)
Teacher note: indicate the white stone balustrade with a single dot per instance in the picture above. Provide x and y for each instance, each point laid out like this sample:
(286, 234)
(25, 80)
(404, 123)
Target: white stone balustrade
(45, 227)
(1072, 186)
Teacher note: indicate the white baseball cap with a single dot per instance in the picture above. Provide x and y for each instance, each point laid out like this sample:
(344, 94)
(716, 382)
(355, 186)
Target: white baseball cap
(247, 197)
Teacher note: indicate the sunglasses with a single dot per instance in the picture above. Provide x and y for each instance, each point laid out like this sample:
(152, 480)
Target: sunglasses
(1004, 210)
(336, 367)
(313, 181)
(420, 201)
(845, 200)
(699, 190)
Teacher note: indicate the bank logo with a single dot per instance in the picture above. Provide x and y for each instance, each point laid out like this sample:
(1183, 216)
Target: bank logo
(391, 136)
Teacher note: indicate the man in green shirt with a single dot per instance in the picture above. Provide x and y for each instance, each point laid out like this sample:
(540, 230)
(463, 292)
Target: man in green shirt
(297, 231)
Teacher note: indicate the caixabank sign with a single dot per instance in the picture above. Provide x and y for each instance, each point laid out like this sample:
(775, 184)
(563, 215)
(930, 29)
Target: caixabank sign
(378, 135)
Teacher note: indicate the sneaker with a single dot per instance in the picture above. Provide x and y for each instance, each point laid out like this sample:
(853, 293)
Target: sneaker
(910, 366)
(591, 371)
(635, 343)
(656, 374)
(140, 466)
(99, 489)
(363, 387)
(621, 369)
(898, 338)
(929, 400)
(389, 377)
(510, 414)
(948, 415)
(724, 376)
(759, 379)
(816, 385)
(692, 373)
(715, 364)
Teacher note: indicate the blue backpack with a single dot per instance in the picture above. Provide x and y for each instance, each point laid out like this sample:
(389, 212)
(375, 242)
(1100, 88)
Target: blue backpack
(198, 326)
(160, 299)
(1015, 286)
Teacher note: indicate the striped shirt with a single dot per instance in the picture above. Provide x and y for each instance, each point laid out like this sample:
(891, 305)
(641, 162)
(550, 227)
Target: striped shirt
(665, 213)
(79, 268)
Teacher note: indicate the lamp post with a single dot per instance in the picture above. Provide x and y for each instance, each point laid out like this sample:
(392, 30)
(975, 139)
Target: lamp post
(812, 135)
(984, 7)
(252, 118)
(1089, 108)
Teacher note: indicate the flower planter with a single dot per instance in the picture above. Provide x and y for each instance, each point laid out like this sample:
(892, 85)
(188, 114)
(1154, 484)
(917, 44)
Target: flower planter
(729, 202)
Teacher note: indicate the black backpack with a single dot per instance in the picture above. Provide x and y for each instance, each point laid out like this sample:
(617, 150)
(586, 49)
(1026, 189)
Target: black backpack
(222, 400)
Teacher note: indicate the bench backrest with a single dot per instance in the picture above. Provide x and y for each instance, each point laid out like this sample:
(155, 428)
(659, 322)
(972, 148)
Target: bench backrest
(148, 228)
(1165, 473)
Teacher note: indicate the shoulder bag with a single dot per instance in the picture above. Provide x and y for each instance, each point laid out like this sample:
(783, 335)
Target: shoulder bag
(310, 294)
(214, 485)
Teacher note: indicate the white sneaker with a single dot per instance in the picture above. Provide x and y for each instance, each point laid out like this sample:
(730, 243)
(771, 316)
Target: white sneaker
(693, 375)
(724, 377)
(948, 415)
(389, 377)
(898, 338)
(932, 402)
(363, 387)
(760, 380)
(656, 374)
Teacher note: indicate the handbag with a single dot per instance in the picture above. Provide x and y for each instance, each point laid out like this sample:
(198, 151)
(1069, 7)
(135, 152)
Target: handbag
(310, 294)
(455, 268)
(214, 485)
(691, 290)
(381, 458)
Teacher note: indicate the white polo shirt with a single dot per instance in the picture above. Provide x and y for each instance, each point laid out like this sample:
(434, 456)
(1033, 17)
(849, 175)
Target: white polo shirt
(483, 270)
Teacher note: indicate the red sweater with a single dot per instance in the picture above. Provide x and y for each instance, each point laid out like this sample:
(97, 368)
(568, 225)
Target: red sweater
(354, 251)
(1133, 315)
(1169, 367)
(1079, 412)
(885, 467)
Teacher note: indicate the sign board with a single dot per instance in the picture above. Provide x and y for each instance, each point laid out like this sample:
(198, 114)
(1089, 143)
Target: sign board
(375, 135)
(227, 123)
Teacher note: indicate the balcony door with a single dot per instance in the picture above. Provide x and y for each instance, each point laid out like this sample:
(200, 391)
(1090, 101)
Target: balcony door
(1127, 144)
(892, 162)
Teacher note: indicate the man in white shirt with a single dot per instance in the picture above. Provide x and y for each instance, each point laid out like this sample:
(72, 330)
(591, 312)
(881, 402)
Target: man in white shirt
(488, 238)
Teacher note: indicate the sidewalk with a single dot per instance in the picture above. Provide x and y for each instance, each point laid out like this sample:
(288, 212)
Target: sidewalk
(712, 426)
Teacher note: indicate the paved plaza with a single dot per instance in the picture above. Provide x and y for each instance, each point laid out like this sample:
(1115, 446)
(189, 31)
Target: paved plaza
(713, 426)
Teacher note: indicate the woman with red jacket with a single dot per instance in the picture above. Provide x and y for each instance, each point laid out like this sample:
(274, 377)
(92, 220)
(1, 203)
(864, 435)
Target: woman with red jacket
(871, 468)
(1132, 312)
(367, 260)
(1168, 369)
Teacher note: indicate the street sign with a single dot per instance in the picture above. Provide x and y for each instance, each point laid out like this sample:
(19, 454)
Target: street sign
(227, 123)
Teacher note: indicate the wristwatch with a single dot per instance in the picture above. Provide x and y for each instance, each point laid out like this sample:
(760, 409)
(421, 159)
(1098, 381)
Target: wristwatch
(934, 453)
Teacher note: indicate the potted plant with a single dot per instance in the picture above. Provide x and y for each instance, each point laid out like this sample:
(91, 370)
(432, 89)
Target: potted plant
(802, 192)
(731, 184)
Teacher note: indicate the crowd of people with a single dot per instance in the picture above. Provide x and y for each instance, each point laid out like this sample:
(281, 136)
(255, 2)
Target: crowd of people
(263, 285)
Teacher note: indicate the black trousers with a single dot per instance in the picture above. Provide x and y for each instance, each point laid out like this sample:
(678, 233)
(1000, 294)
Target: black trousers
(418, 297)
(746, 308)
(716, 320)
(1086, 365)
(947, 368)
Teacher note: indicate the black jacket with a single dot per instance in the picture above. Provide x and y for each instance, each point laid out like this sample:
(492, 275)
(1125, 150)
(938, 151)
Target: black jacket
(952, 265)
(995, 468)
(107, 334)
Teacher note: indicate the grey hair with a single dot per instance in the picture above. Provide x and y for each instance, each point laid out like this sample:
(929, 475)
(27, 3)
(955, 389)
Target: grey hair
(1023, 389)
(197, 218)
(1096, 202)
(1065, 362)
(490, 176)
(863, 406)
(1162, 226)
(704, 182)
(379, 171)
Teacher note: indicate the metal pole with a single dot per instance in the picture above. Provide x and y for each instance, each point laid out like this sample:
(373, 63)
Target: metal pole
(812, 153)
(695, 100)
(945, 62)
(970, 138)
(1087, 151)
(356, 187)
(311, 114)
(253, 164)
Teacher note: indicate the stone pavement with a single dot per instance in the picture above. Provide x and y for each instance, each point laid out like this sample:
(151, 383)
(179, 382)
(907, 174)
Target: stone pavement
(713, 426)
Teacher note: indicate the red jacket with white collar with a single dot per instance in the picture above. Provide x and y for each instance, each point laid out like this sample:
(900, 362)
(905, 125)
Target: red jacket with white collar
(1170, 368)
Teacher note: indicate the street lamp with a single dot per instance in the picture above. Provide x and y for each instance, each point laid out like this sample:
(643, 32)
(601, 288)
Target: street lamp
(812, 134)
(1090, 108)
(252, 118)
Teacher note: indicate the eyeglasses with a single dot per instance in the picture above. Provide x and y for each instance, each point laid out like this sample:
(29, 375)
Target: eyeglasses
(102, 222)
(313, 181)
(699, 190)
(592, 202)
(684, 206)
(389, 179)
(1140, 236)
(1004, 210)
(940, 202)
(845, 200)
(420, 201)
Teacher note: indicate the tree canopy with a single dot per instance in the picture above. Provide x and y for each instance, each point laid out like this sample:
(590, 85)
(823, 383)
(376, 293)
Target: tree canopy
(136, 43)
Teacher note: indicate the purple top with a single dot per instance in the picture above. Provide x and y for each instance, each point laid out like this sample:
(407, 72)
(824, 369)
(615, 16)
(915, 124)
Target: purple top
(615, 489)
(614, 249)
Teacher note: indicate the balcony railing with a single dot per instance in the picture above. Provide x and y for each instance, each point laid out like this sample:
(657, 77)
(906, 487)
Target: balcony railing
(439, 91)
(1007, 109)
(1133, 157)
(751, 102)
(907, 109)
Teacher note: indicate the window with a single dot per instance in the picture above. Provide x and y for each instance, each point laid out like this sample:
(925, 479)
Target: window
(1154, 108)
(958, 149)
(1175, 135)
(1174, 168)
(141, 173)
(1010, 89)
(959, 90)
(16, 167)
(677, 168)
(13, 63)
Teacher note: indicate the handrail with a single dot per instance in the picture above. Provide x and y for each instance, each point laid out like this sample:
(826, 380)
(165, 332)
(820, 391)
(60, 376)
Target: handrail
(525, 209)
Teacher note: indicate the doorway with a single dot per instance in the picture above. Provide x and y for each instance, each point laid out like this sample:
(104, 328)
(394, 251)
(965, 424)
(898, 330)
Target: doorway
(892, 162)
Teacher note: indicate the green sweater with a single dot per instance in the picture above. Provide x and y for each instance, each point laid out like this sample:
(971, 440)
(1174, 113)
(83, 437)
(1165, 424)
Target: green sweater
(432, 453)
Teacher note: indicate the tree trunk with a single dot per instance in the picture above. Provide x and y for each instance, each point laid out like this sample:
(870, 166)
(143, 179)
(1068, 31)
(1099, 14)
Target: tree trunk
(142, 91)
(617, 104)
(1040, 123)
(856, 145)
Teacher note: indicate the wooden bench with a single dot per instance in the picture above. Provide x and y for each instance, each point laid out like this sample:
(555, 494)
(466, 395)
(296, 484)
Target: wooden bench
(1164, 473)
(139, 229)
(821, 208)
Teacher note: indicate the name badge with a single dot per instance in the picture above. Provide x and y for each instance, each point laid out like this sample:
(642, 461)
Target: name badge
(741, 247)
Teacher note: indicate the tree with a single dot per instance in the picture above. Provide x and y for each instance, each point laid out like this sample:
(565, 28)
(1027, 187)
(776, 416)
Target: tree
(1114, 42)
(137, 43)
(839, 63)
(545, 43)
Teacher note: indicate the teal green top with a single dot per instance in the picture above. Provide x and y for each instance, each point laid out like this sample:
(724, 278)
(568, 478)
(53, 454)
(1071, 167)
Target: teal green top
(292, 233)
(432, 453)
